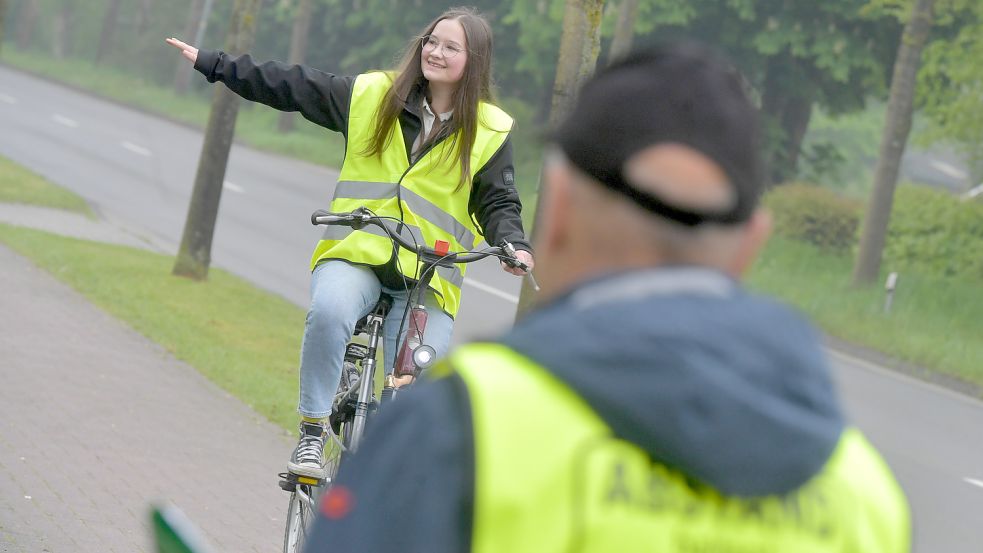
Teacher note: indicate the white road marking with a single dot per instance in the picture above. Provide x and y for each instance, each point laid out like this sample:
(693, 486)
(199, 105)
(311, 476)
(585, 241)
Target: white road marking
(884, 371)
(948, 169)
(62, 120)
(492, 290)
(140, 150)
(234, 187)
(974, 192)
(8, 99)
(974, 482)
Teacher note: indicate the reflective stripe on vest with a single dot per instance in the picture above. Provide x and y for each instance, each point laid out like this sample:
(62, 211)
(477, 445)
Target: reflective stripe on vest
(417, 203)
(550, 476)
(426, 195)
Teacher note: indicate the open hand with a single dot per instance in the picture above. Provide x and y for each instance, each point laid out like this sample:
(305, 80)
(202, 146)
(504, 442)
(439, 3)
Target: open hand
(187, 50)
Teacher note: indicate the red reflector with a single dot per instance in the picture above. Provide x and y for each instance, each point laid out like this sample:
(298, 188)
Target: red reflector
(336, 503)
(441, 247)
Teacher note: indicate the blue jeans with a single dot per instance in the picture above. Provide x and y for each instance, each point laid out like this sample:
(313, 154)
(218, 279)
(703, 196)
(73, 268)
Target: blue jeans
(341, 294)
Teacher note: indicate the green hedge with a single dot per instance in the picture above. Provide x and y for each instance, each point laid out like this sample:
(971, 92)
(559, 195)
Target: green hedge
(931, 230)
(814, 215)
(936, 233)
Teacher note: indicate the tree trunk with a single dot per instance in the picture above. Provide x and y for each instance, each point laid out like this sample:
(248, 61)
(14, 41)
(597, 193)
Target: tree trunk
(27, 23)
(108, 30)
(624, 30)
(786, 104)
(298, 51)
(897, 125)
(3, 11)
(795, 123)
(580, 44)
(61, 44)
(579, 47)
(143, 19)
(791, 122)
(183, 71)
(194, 256)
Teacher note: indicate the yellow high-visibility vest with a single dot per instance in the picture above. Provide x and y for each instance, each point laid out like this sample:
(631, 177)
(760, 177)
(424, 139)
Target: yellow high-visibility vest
(426, 194)
(550, 476)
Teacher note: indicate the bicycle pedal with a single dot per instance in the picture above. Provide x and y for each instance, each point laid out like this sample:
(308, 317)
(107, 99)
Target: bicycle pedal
(287, 486)
(289, 481)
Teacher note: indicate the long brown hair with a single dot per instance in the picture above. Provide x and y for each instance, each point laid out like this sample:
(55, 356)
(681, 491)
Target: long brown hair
(475, 86)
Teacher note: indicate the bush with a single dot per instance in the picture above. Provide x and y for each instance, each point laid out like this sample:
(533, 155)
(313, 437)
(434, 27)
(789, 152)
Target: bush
(935, 232)
(814, 215)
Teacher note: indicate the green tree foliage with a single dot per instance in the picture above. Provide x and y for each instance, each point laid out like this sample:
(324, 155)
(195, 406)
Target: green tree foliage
(796, 55)
(538, 24)
(950, 86)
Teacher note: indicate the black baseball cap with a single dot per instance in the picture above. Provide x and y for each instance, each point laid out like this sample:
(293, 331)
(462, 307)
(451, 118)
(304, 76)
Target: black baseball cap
(679, 93)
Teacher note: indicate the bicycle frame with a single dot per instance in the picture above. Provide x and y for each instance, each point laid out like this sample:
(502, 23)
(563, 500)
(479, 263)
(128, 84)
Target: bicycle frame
(366, 383)
(431, 258)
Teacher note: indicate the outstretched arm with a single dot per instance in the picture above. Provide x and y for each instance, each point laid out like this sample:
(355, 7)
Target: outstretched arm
(320, 97)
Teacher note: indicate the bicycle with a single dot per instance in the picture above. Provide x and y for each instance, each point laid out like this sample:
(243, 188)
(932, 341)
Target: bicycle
(355, 398)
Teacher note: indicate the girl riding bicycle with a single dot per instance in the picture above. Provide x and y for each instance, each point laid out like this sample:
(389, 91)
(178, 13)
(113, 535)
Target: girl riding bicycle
(425, 145)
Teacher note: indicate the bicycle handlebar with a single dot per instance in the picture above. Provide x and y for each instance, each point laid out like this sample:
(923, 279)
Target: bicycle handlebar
(360, 217)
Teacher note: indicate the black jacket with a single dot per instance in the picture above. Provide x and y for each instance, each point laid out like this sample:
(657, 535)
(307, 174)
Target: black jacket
(324, 99)
(732, 389)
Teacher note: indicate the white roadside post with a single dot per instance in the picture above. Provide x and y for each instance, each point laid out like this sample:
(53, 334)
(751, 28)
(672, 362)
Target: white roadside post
(890, 285)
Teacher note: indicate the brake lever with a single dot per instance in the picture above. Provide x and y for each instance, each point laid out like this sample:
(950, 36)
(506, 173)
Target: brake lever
(513, 261)
(360, 217)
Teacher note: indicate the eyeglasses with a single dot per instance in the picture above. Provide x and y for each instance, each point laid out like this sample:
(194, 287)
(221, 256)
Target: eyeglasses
(430, 44)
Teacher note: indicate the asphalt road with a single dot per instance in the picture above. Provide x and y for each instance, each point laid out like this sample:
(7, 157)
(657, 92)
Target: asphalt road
(137, 171)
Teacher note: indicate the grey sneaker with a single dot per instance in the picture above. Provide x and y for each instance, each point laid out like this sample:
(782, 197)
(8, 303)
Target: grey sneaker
(307, 459)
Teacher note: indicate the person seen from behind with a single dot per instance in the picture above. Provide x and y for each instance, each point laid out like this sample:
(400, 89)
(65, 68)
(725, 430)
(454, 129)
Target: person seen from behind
(425, 145)
(649, 402)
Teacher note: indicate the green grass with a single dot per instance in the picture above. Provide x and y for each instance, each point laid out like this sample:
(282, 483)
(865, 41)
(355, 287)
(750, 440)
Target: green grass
(936, 323)
(18, 185)
(244, 339)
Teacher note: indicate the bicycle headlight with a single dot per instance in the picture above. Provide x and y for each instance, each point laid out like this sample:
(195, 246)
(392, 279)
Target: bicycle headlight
(423, 357)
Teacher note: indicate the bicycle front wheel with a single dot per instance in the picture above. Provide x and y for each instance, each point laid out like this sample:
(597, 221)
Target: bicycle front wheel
(300, 518)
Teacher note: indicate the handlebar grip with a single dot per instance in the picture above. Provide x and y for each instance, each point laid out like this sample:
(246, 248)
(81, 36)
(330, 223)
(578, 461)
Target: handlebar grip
(319, 213)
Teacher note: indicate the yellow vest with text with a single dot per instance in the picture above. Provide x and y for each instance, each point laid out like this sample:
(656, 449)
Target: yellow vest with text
(425, 194)
(550, 476)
